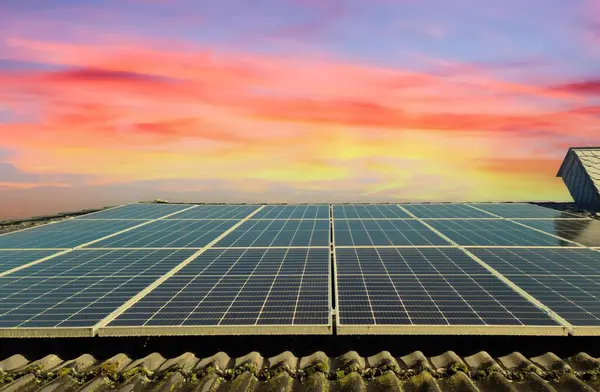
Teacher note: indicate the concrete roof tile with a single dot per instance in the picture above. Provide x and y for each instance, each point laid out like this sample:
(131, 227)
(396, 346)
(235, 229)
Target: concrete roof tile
(382, 371)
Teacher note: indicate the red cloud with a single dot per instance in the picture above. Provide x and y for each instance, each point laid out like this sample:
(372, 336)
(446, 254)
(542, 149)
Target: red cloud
(586, 87)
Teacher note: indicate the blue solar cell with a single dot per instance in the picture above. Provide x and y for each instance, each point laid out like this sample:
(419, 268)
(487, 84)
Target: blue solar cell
(253, 233)
(293, 212)
(170, 234)
(80, 288)
(565, 280)
(137, 211)
(10, 259)
(493, 233)
(64, 302)
(368, 211)
(220, 262)
(240, 287)
(65, 234)
(384, 232)
(108, 263)
(426, 286)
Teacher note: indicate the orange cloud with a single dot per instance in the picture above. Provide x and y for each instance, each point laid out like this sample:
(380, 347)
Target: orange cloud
(31, 185)
(122, 113)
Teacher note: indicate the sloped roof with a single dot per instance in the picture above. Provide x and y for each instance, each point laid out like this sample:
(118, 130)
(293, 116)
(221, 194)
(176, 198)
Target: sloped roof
(317, 372)
(589, 158)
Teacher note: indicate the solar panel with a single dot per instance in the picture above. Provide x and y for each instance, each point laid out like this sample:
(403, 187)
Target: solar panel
(137, 211)
(216, 212)
(108, 262)
(383, 232)
(443, 211)
(368, 211)
(237, 292)
(583, 231)
(169, 234)
(66, 234)
(77, 290)
(293, 212)
(253, 233)
(494, 233)
(429, 290)
(522, 210)
(10, 259)
(565, 280)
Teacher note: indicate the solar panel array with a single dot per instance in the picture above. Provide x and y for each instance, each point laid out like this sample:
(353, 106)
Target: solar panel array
(156, 269)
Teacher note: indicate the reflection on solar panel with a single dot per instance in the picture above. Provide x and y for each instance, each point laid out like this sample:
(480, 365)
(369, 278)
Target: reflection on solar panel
(239, 292)
(77, 289)
(366, 211)
(425, 290)
(293, 212)
(565, 280)
(169, 234)
(384, 232)
(65, 234)
(494, 233)
(522, 210)
(583, 231)
(216, 212)
(10, 259)
(254, 233)
(445, 211)
(137, 211)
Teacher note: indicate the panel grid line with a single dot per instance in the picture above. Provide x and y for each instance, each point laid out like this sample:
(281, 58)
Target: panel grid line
(513, 286)
(102, 323)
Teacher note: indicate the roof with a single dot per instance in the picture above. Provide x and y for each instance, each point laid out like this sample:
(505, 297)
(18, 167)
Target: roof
(317, 372)
(589, 158)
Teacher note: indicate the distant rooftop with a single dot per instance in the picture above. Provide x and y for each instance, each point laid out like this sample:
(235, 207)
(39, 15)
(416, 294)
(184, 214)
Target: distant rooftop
(581, 173)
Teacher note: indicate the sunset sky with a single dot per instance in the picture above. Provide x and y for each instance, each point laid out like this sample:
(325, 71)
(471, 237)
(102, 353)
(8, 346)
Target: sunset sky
(114, 101)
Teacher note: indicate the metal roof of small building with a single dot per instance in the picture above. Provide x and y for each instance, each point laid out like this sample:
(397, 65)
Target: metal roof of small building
(317, 372)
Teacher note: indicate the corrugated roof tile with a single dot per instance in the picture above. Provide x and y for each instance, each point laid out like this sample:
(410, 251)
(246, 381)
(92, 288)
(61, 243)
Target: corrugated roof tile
(287, 373)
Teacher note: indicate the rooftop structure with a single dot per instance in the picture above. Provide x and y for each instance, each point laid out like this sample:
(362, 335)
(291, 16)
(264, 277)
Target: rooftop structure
(581, 173)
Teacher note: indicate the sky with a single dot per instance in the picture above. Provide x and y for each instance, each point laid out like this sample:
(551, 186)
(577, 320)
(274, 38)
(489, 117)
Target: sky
(116, 101)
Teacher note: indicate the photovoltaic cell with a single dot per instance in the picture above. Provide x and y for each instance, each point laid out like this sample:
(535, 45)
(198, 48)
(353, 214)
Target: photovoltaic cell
(383, 232)
(137, 211)
(565, 280)
(10, 259)
(293, 212)
(64, 302)
(239, 287)
(522, 210)
(493, 233)
(265, 232)
(583, 231)
(271, 262)
(169, 234)
(108, 262)
(66, 234)
(426, 286)
(428, 211)
(80, 288)
(216, 212)
(368, 211)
